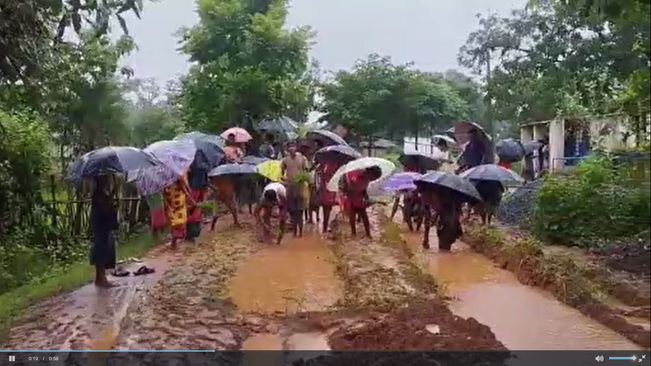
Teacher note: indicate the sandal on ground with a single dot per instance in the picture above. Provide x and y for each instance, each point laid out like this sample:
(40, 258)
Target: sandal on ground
(120, 272)
(143, 271)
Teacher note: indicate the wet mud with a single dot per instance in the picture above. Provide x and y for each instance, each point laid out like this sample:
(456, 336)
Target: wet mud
(550, 272)
(89, 317)
(297, 276)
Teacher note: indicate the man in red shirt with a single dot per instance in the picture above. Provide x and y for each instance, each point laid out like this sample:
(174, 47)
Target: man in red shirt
(354, 187)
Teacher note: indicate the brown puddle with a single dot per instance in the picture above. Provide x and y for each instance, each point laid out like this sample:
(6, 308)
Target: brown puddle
(299, 275)
(522, 317)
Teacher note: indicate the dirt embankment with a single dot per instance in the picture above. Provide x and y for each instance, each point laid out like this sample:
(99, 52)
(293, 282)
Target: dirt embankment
(574, 280)
(406, 310)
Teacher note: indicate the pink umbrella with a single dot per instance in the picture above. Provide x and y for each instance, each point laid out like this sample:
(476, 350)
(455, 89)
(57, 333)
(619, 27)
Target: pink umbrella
(241, 135)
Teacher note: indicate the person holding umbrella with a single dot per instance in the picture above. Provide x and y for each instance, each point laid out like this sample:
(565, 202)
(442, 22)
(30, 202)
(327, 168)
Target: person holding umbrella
(328, 161)
(177, 196)
(266, 149)
(104, 223)
(232, 149)
(353, 188)
(474, 152)
(443, 196)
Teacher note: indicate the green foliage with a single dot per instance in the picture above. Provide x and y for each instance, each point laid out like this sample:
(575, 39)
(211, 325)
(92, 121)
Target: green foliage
(378, 98)
(30, 28)
(598, 203)
(246, 65)
(567, 58)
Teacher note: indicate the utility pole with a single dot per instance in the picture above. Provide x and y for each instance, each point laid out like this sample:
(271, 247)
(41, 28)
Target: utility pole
(489, 106)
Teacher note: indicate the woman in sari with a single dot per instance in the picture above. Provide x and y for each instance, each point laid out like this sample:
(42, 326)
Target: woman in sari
(177, 196)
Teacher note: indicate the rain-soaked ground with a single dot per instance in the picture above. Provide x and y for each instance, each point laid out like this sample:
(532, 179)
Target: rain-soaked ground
(230, 292)
(522, 317)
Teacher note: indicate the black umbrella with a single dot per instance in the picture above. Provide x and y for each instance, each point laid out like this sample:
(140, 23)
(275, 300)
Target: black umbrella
(233, 169)
(341, 154)
(509, 150)
(253, 160)
(326, 137)
(282, 125)
(531, 146)
(108, 160)
(449, 181)
(210, 149)
(492, 172)
(419, 159)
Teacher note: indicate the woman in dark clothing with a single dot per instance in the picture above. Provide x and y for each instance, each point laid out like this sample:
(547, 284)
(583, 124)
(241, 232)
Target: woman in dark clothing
(474, 152)
(442, 207)
(104, 223)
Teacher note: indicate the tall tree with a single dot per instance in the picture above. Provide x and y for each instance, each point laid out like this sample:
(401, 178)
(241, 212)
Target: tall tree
(30, 28)
(246, 64)
(378, 98)
(562, 58)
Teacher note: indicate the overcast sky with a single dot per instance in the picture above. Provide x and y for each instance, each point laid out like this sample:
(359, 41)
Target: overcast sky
(426, 32)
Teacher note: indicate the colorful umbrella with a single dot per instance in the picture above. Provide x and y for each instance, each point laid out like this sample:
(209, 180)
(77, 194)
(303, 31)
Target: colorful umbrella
(271, 170)
(108, 160)
(176, 156)
(400, 181)
(210, 149)
(385, 166)
(241, 135)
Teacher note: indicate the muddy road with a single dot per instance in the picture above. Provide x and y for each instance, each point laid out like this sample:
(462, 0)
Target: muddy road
(229, 292)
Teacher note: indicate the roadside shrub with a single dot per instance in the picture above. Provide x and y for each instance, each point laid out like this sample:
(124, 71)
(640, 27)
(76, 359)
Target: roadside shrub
(597, 203)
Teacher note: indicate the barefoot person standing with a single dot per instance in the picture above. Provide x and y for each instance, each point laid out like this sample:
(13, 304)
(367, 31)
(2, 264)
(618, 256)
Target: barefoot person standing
(291, 167)
(104, 223)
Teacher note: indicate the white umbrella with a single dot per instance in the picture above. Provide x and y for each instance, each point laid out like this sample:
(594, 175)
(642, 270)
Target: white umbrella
(445, 138)
(385, 166)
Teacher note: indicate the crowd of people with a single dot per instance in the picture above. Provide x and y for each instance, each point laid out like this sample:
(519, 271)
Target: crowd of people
(297, 197)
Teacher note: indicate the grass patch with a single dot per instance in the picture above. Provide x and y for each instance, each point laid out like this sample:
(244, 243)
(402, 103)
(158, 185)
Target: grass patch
(15, 302)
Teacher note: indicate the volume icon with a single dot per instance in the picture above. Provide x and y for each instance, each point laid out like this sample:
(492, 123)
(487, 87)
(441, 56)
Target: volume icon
(599, 358)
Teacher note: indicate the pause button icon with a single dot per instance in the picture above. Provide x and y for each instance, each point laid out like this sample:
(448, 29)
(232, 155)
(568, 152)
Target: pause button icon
(12, 358)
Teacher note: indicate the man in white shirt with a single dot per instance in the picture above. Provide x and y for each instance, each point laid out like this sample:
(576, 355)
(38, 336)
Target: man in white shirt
(273, 195)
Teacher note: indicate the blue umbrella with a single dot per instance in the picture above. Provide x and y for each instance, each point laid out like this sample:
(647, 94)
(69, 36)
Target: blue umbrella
(400, 181)
(336, 153)
(282, 124)
(326, 137)
(233, 169)
(175, 154)
(450, 182)
(176, 157)
(210, 149)
(108, 160)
